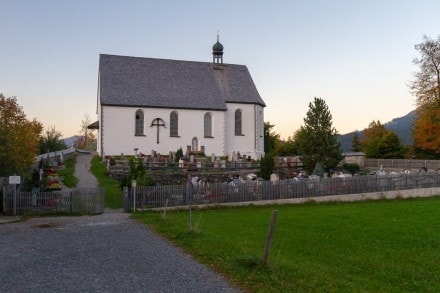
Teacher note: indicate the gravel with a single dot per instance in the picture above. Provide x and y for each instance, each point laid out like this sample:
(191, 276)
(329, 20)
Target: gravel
(105, 253)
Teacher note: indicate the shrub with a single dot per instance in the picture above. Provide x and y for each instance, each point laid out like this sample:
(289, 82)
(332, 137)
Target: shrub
(352, 168)
(266, 166)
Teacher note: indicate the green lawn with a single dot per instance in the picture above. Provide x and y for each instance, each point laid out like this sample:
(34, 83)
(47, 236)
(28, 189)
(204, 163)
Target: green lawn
(68, 172)
(113, 193)
(390, 246)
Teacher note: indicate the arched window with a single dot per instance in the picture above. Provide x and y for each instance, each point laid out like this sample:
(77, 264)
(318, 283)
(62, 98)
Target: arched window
(174, 124)
(238, 122)
(207, 125)
(139, 123)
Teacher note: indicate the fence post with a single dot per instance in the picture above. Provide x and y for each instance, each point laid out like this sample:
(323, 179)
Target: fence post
(133, 190)
(125, 201)
(269, 237)
(71, 201)
(14, 203)
(4, 200)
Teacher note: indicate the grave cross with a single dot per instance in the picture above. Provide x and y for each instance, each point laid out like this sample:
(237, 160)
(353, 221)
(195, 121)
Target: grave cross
(157, 122)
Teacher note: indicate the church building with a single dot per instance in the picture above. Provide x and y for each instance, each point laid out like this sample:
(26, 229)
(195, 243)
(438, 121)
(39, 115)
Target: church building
(162, 105)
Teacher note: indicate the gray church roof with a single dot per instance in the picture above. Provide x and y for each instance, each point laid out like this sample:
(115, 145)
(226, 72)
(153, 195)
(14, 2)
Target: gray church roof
(162, 83)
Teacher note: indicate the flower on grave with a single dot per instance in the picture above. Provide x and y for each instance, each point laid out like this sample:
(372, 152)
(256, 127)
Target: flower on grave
(54, 186)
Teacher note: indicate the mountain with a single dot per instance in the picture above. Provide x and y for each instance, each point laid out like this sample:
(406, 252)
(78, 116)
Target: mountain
(70, 140)
(401, 126)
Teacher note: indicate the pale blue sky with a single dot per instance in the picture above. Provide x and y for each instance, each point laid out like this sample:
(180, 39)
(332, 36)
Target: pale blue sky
(356, 55)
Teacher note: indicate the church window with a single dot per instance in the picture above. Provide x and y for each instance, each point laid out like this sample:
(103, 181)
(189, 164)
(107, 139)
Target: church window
(139, 125)
(174, 124)
(208, 125)
(238, 122)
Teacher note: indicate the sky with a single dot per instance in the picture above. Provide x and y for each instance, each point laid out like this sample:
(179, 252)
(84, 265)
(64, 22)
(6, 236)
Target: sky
(356, 55)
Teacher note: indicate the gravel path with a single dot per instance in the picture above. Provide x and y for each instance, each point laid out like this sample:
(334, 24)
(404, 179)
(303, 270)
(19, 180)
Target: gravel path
(104, 253)
(82, 167)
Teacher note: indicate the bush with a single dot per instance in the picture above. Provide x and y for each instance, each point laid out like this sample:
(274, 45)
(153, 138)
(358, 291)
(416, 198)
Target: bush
(352, 168)
(267, 164)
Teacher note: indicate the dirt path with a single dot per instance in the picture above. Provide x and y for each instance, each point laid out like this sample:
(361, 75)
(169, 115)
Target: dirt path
(82, 171)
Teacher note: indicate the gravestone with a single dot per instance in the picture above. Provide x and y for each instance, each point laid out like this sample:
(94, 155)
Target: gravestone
(274, 177)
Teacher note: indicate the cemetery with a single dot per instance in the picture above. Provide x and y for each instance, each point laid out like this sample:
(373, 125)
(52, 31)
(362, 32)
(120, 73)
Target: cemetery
(234, 179)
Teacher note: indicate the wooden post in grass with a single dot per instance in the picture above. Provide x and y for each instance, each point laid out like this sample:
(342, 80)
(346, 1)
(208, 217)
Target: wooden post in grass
(165, 210)
(269, 237)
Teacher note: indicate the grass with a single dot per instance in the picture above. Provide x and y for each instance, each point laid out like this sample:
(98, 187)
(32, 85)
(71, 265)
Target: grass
(113, 193)
(68, 172)
(390, 246)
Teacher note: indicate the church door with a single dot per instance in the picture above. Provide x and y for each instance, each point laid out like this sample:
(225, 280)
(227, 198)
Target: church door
(195, 144)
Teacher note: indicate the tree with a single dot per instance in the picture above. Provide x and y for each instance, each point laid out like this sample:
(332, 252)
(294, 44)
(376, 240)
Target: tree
(266, 166)
(18, 138)
(390, 146)
(317, 139)
(426, 88)
(426, 132)
(286, 148)
(426, 83)
(356, 145)
(271, 138)
(86, 138)
(372, 137)
(51, 141)
(379, 142)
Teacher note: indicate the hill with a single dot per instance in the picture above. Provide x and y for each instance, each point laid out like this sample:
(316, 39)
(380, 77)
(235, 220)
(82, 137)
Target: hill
(70, 140)
(401, 126)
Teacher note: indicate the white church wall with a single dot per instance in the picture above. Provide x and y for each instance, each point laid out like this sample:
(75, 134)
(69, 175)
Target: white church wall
(250, 143)
(118, 131)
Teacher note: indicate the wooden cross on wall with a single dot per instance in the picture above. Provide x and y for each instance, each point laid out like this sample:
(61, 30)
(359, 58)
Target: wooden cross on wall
(157, 122)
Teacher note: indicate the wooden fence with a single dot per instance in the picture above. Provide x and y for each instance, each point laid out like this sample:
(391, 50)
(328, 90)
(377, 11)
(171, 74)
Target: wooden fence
(180, 195)
(77, 201)
(400, 164)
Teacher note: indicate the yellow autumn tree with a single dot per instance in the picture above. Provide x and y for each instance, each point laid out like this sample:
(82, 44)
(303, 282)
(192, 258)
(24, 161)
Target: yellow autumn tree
(426, 133)
(19, 138)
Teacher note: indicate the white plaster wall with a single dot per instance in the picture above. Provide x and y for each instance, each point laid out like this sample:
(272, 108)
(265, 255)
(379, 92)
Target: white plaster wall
(259, 132)
(118, 129)
(249, 144)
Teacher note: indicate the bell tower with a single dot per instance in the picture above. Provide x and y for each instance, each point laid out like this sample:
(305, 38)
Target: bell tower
(217, 53)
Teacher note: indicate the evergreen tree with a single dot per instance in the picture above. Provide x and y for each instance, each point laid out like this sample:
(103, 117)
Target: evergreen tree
(391, 147)
(356, 145)
(266, 166)
(317, 139)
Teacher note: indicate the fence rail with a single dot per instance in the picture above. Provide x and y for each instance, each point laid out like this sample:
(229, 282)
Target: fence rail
(76, 201)
(180, 195)
(402, 164)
